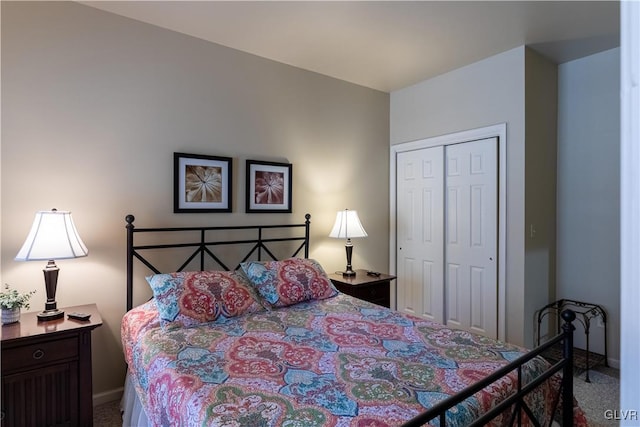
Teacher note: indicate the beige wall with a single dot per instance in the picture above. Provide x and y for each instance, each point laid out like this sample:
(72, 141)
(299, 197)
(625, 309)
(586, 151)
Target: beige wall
(93, 107)
(522, 88)
(541, 117)
(485, 93)
(589, 192)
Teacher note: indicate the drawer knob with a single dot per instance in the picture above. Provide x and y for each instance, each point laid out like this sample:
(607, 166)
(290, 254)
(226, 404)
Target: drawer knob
(38, 354)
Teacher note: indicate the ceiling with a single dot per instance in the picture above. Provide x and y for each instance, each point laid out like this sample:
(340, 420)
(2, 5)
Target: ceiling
(386, 45)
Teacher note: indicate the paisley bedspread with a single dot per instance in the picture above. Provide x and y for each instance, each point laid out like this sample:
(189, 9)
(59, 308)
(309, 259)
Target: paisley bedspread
(333, 362)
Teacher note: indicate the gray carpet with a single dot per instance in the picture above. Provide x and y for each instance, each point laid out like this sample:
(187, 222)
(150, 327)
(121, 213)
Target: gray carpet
(599, 397)
(107, 415)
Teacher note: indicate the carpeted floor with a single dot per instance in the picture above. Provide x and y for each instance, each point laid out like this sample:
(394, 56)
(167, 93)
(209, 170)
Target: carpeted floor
(602, 394)
(600, 397)
(107, 415)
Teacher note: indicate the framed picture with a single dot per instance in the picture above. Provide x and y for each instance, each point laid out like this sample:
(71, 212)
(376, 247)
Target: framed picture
(268, 186)
(201, 183)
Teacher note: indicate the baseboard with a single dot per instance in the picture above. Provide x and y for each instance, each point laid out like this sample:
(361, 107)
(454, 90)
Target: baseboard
(614, 363)
(108, 396)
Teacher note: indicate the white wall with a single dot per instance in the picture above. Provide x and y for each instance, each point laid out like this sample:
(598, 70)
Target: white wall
(93, 107)
(517, 87)
(630, 211)
(485, 93)
(588, 215)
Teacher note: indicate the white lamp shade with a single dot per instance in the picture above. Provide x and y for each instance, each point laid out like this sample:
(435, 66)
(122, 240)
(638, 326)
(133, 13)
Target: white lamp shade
(53, 235)
(347, 225)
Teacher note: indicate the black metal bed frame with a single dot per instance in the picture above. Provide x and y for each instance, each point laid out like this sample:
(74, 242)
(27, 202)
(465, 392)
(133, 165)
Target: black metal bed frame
(516, 402)
(203, 246)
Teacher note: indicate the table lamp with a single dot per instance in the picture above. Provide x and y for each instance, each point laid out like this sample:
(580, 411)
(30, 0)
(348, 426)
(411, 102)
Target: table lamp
(53, 235)
(348, 225)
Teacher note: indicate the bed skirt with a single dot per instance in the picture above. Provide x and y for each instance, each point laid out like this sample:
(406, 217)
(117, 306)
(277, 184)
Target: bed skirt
(133, 414)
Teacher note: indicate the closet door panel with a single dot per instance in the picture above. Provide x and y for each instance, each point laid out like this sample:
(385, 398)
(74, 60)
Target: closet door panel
(471, 236)
(420, 253)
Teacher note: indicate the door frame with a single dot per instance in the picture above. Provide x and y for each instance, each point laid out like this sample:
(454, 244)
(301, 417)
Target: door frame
(495, 131)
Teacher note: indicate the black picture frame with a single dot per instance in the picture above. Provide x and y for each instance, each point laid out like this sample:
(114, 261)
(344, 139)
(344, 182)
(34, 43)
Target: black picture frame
(202, 183)
(268, 187)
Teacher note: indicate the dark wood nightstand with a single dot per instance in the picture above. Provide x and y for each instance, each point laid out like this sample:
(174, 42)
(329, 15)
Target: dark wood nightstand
(369, 288)
(46, 370)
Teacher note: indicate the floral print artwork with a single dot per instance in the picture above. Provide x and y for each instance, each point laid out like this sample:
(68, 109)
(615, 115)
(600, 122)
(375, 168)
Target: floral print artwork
(269, 188)
(203, 183)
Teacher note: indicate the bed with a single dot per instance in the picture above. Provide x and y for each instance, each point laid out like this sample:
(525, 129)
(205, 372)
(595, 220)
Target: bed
(268, 341)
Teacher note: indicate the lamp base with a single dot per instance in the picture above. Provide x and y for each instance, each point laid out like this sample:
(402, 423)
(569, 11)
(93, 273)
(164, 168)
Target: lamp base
(45, 316)
(347, 273)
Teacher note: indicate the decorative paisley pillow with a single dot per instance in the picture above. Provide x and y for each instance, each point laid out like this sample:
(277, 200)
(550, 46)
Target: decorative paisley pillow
(288, 282)
(192, 298)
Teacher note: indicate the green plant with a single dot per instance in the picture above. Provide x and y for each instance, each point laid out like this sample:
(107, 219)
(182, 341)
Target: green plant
(10, 298)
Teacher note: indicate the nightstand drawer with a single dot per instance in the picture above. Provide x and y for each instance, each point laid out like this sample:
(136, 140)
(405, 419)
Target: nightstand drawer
(378, 294)
(375, 289)
(374, 293)
(39, 354)
(46, 370)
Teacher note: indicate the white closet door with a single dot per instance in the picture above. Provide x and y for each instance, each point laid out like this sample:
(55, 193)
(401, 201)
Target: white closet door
(420, 233)
(471, 275)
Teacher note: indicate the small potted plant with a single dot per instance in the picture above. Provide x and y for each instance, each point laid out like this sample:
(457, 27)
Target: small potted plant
(11, 301)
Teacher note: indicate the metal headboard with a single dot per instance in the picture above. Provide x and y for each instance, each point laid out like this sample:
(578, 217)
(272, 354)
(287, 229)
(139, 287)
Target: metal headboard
(204, 247)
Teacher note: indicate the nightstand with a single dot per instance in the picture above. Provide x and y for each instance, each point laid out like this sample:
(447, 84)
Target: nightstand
(375, 289)
(46, 370)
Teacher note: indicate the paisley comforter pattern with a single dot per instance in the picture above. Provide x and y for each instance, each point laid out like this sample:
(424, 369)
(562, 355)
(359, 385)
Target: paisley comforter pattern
(333, 362)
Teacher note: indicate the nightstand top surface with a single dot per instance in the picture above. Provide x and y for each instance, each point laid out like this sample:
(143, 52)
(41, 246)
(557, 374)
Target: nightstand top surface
(361, 278)
(29, 326)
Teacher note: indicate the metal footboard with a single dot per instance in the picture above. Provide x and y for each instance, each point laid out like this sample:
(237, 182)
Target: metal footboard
(517, 401)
